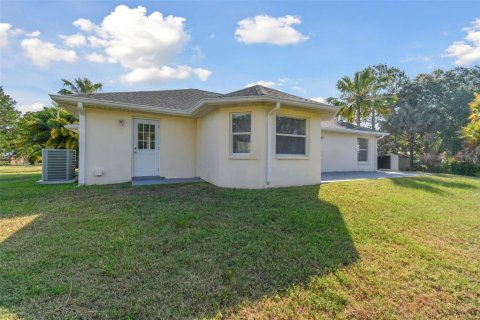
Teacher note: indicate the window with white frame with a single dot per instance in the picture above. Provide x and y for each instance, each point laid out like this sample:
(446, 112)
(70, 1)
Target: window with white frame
(291, 136)
(362, 149)
(241, 133)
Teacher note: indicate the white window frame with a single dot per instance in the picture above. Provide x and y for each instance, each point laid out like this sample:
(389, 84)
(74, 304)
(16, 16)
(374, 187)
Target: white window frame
(367, 149)
(292, 155)
(240, 133)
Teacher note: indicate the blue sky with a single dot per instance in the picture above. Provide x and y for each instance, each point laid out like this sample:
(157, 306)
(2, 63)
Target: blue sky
(298, 47)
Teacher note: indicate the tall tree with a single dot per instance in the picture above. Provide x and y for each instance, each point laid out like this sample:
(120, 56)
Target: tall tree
(80, 85)
(8, 122)
(45, 129)
(354, 100)
(471, 132)
(391, 82)
(449, 92)
(414, 126)
(361, 97)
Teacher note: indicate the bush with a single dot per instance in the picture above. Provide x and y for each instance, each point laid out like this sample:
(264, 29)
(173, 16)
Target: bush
(462, 167)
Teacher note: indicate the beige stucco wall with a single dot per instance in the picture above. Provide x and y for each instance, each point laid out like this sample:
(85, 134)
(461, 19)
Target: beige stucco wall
(299, 170)
(216, 164)
(201, 147)
(109, 145)
(339, 152)
(214, 160)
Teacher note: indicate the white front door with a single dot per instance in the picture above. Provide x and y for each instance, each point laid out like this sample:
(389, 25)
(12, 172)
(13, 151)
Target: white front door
(145, 148)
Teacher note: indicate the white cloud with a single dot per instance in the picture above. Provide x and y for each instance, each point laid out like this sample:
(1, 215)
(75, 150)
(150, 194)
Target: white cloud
(42, 53)
(163, 74)
(33, 34)
(96, 57)
(4, 27)
(143, 44)
(466, 52)
(270, 84)
(6, 31)
(136, 40)
(202, 74)
(267, 29)
(74, 40)
(84, 24)
(37, 106)
(319, 99)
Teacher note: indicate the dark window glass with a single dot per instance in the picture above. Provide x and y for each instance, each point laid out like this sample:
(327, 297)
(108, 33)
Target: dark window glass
(146, 136)
(362, 143)
(362, 155)
(291, 145)
(241, 122)
(291, 126)
(241, 143)
(362, 149)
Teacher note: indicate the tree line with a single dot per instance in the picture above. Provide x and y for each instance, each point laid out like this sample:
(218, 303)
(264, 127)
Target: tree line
(432, 117)
(25, 135)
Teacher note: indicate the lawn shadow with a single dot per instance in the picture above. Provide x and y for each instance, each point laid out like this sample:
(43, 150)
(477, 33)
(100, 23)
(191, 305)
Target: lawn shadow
(431, 184)
(177, 252)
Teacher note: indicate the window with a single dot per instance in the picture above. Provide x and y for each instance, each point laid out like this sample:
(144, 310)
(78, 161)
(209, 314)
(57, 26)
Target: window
(362, 149)
(291, 136)
(146, 136)
(241, 131)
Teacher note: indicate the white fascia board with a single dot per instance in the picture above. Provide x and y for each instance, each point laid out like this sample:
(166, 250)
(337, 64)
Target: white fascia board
(204, 103)
(353, 131)
(117, 105)
(230, 100)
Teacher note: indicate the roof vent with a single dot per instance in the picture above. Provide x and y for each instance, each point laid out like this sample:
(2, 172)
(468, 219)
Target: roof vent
(58, 166)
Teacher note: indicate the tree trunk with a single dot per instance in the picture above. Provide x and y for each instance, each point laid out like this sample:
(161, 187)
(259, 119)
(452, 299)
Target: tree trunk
(373, 120)
(357, 117)
(411, 148)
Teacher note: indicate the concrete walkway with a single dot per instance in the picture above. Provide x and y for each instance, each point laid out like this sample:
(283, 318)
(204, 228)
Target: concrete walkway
(328, 177)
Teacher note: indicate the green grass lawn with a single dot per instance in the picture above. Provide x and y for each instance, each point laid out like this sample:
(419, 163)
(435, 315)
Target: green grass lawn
(383, 249)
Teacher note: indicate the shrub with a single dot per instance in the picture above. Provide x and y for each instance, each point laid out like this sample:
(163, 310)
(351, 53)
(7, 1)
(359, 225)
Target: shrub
(461, 167)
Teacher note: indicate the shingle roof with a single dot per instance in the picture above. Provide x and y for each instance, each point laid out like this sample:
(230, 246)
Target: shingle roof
(182, 99)
(259, 90)
(185, 99)
(351, 126)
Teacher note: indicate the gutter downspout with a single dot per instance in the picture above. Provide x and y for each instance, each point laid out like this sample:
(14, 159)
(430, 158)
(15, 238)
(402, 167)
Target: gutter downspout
(269, 141)
(81, 144)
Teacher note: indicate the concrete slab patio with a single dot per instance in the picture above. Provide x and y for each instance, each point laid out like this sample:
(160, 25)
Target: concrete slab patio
(328, 177)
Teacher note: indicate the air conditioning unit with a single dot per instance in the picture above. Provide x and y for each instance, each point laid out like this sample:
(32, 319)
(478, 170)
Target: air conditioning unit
(58, 165)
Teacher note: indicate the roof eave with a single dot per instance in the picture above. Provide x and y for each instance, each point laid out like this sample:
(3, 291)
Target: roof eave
(196, 110)
(116, 105)
(345, 130)
(230, 100)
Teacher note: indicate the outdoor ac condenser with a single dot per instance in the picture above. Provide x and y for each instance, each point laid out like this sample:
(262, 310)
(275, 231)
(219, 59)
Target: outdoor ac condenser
(58, 165)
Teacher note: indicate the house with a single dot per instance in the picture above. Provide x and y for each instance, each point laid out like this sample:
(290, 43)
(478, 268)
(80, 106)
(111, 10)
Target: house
(255, 137)
(347, 147)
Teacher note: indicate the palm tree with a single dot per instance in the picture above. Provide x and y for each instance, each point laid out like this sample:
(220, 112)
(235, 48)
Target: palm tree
(80, 85)
(360, 98)
(45, 129)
